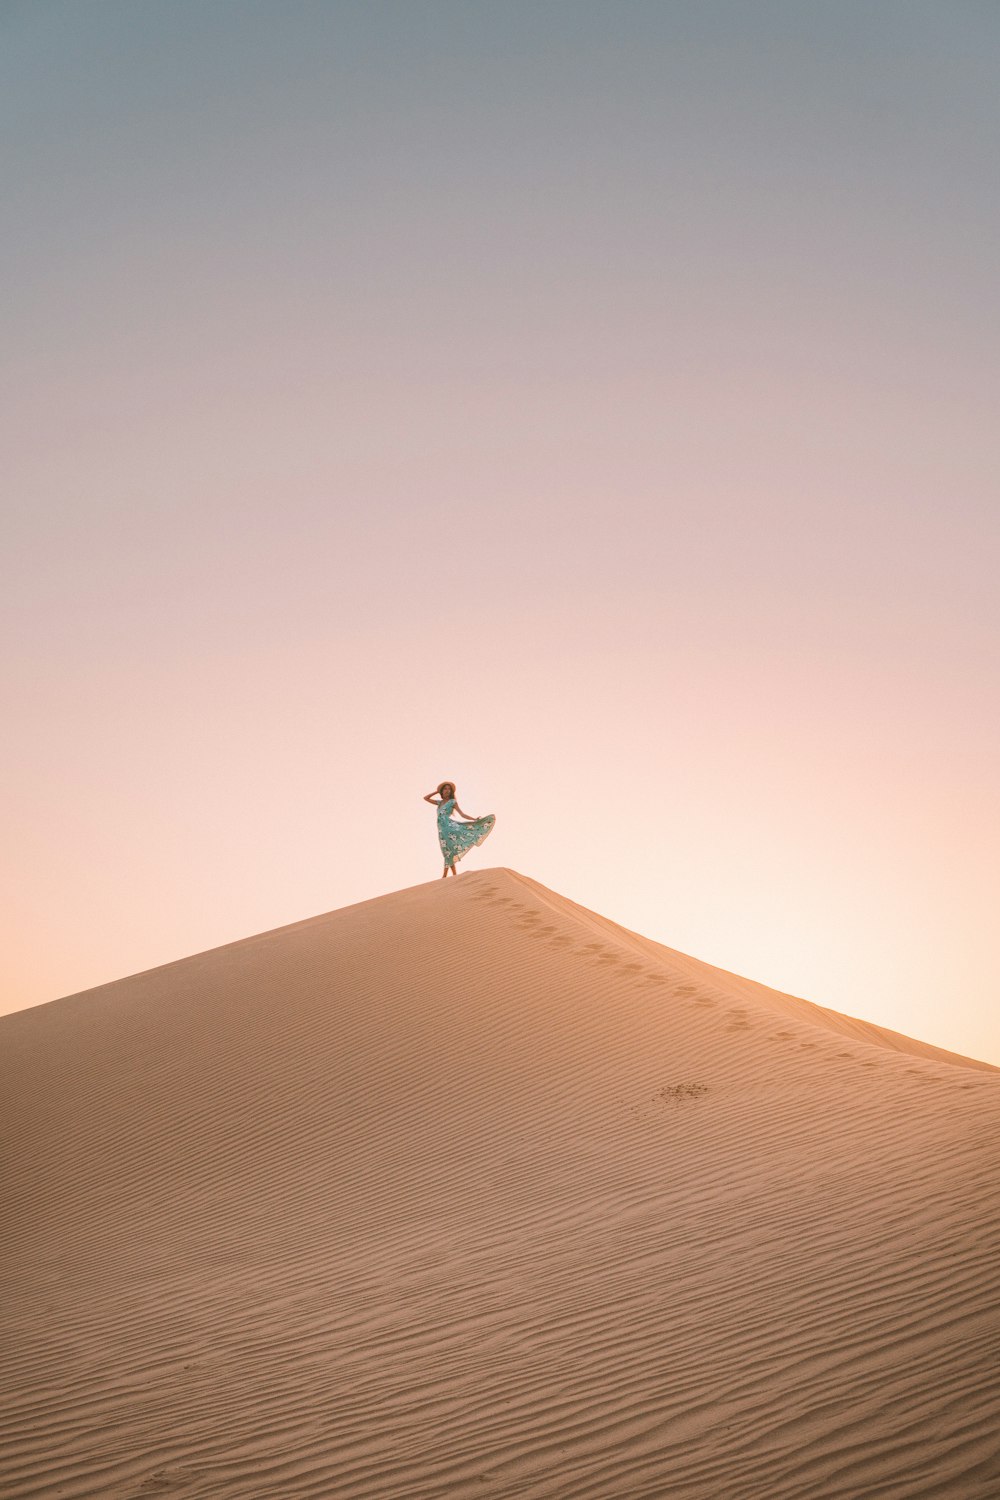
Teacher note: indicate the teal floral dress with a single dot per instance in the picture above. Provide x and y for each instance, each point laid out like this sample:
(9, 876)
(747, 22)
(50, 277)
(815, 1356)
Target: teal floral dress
(456, 839)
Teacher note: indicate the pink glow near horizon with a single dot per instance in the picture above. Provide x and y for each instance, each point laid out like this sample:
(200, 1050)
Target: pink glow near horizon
(601, 415)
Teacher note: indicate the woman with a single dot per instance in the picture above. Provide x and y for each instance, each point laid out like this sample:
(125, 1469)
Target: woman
(456, 839)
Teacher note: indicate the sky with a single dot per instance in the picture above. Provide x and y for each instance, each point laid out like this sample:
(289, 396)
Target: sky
(594, 404)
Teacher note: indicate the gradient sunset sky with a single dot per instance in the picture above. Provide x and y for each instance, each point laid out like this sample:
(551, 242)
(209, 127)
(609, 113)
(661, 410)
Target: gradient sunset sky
(593, 403)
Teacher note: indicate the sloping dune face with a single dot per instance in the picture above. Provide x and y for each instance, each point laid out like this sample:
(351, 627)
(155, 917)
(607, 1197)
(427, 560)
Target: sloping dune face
(468, 1192)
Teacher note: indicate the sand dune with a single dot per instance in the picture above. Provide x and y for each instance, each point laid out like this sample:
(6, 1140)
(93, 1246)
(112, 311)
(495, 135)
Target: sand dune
(465, 1192)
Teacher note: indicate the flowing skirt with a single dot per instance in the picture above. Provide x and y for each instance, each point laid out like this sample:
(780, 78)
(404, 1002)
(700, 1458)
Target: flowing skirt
(456, 839)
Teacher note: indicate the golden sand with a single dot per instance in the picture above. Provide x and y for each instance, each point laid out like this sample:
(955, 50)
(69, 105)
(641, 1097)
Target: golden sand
(468, 1192)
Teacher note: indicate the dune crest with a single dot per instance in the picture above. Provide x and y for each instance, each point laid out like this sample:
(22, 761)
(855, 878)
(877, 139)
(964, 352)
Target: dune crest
(467, 1191)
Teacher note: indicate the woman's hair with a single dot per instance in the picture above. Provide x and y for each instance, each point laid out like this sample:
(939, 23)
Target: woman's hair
(450, 786)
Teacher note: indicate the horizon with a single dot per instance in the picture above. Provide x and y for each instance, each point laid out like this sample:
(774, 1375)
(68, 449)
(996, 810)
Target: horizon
(486, 870)
(595, 407)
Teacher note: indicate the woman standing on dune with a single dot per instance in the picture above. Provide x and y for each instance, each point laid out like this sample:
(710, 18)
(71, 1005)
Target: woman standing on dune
(456, 839)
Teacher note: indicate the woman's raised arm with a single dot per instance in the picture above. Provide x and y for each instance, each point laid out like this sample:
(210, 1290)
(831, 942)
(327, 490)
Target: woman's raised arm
(433, 798)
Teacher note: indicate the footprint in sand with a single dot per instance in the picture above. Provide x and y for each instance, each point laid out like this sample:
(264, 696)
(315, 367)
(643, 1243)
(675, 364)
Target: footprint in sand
(163, 1480)
(676, 1092)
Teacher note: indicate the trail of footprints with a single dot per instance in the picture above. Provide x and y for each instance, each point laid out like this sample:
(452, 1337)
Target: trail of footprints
(738, 1019)
(530, 920)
